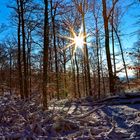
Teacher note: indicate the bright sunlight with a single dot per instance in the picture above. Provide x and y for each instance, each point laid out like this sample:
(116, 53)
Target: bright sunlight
(79, 41)
(76, 41)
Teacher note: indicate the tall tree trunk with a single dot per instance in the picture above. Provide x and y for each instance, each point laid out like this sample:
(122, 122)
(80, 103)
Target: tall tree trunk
(77, 76)
(113, 43)
(45, 55)
(83, 80)
(29, 43)
(20, 77)
(101, 67)
(73, 75)
(120, 44)
(55, 49)
(25, 76)
(106, 29)
(82, 9)
(98, 57)
(64, 67)
(65, 77)
(85, 77)
(86, 57)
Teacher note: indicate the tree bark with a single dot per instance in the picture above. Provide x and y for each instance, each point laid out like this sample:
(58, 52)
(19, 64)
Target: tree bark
(98, 57)
(120, 44)
(25, 76)
(113, 45)
(106, 29)
(55, 49)
(45, 55)
(86, 57)
(77, 76)
(20, 77)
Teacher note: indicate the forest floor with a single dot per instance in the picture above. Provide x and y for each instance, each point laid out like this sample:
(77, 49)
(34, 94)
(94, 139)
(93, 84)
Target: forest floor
(114, 118)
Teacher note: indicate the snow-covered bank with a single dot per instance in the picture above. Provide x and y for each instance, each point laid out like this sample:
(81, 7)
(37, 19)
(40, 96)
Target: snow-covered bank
(68, 120)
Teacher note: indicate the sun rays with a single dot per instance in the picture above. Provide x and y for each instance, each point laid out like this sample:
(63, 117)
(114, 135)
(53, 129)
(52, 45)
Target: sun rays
(76, 42)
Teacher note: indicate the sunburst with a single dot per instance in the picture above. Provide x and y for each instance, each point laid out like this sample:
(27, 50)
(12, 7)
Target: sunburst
(76, 41)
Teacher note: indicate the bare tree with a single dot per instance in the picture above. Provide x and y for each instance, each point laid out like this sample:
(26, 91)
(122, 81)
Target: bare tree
(53, 15)
(82, 8)
(25, 76)
(45, 54)
(106, 17)
(19, 51)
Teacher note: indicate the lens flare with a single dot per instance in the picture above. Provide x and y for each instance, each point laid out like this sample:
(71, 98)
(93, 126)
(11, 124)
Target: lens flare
(76, 41)
(79, 41)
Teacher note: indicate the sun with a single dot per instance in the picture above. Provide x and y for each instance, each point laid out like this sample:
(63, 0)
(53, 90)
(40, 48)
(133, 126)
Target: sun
(79, 41)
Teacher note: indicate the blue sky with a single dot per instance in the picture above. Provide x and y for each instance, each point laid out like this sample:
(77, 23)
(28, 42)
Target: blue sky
(129, 24)
(4, 11)
(128, 19)
(4, 16)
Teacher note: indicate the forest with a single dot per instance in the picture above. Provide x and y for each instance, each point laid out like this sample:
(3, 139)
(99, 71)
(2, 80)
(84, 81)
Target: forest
(70, 70)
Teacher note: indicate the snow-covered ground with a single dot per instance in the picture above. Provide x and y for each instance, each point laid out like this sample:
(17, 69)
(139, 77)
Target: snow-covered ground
(116, 118)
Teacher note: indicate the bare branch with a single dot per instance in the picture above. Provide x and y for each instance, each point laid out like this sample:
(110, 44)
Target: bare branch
(114, 3)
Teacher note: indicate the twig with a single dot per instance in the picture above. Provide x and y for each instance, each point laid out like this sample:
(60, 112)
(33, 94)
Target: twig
(86, 114)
